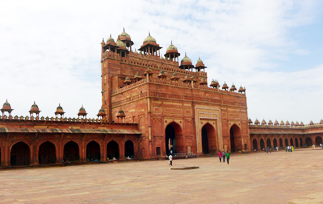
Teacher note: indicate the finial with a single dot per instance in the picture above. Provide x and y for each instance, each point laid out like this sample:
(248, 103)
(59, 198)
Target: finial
(123, 29)
(34, 102)
(149, 33)
(185, 54)
(171, 42)
(110, 35)
(6, 100)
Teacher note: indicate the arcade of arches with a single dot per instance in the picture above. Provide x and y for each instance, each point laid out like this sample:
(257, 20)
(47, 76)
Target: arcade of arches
(22, 153)
(258, 141)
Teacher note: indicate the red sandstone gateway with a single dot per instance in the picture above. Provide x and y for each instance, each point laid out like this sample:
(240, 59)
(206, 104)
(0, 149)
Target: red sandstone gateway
(151, 105)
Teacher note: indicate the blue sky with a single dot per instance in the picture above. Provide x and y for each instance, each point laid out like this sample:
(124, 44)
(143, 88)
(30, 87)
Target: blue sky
(50, 50)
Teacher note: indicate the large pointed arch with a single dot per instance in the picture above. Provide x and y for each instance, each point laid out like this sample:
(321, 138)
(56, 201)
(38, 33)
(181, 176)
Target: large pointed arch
(254, 144)
(318, 141)
(208, 139)
(20, 154)
(129, 149)
(47, 153)
(93, 152)
(308, 142)
(173, 139)
(113, 150)
(71, 152)
(235, 138)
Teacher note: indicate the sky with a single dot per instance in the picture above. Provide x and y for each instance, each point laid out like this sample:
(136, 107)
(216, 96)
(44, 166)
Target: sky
(50, 50)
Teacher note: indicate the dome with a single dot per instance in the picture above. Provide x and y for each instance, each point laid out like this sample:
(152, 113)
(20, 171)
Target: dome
(124, 35)
(110, 39)
(199, 63)
(186, 77)
(186, 60)
(82, 109)
(121, 112)
(101, 110)
(171, 47)
(161, 72)
(34, 105)
(174, 74)
(149, 39)
(59, 107)
(6, 105)
(203, 79)
(121, 44)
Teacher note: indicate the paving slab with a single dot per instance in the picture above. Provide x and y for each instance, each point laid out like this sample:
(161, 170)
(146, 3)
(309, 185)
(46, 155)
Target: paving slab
(279, 177)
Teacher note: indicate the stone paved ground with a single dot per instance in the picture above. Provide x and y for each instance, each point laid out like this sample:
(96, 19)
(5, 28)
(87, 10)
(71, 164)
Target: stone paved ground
(278, 177)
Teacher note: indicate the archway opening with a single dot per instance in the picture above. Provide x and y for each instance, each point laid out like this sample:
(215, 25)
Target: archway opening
(275, 143)
(20, 154)
(47, 153)
(318, 141)
(291, 142)
(235, 138)
(268, 143)
(129, 149)
(300, 142)
(71, 152)
(93, 151)
(286, 142)
(308, 142)
(254, 144)
(208, 139)
(262, 144)
(113, 150)
(280, 142)
(173, 139)
(296, 142)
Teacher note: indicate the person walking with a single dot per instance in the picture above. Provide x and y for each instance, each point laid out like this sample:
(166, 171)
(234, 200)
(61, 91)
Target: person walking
(170, 157)
(228, 156)
(292, 148)
(223, 155)
(220, 155)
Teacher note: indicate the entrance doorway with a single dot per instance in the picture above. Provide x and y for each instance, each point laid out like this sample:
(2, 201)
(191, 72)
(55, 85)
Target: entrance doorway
(254, 144)
(235, 138)
(129, 150)
(113, 150)
(47, 153)
(275, 143)
(208, 139)
(318, 141)
(291, 142)
(71, 152)
(300, 142)
(173, 140)
(262, 144)
(308, 142)
(93, 151)
(20, 154)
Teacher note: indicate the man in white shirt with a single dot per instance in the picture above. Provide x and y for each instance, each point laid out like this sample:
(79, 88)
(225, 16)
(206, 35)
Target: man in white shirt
(170, 157)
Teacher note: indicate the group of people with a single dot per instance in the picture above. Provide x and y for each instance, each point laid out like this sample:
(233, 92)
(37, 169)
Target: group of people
(289, 148)
(223, 155)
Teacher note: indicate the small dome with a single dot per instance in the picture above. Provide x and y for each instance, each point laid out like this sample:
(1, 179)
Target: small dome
(250, 121)
(171, 47)
(110, 39)
(321, 121)
(311, 123)
(121, 112)
(199, 63)
(186, 60)
(149, 39)
(186, 77)
(257, 122)
(263, 122)
(124, 34)
(120, 43)
(287, 123)
(6, 105)
(282, 123)
(34, 105)
(82, 109)
(174, 74)
(161, 72)
(203, 79)
(59, 107)
(302, 124)
(101, 110)
(270, 122)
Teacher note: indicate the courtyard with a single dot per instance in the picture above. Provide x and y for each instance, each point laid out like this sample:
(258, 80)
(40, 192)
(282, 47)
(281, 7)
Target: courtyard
(279, 177)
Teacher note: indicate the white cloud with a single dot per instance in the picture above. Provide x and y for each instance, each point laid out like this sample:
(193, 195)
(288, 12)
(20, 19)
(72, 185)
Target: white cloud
(50, 51)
